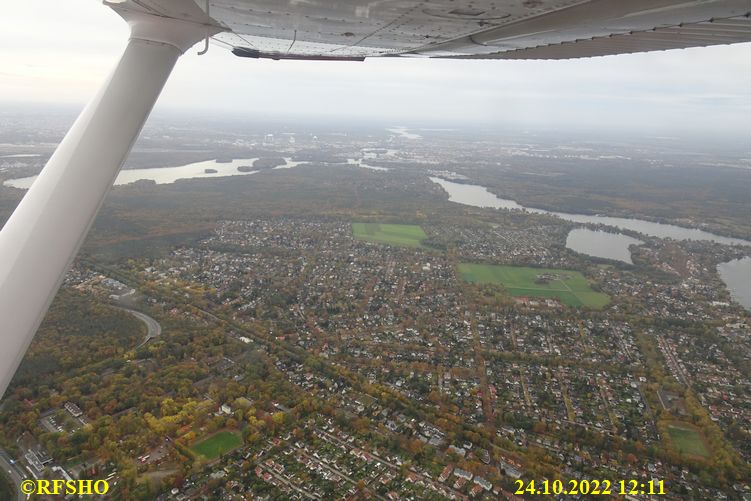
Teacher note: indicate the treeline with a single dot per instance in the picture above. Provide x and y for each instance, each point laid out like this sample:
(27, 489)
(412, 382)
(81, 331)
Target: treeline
(76, 333)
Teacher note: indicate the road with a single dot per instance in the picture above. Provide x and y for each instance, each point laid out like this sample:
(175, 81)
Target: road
(295, 353)
(338, 473)
(324, 434)
(152, 326)
(289, 484)
(14, 473)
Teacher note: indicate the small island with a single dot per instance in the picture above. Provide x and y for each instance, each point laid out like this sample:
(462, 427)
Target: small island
(268, 163)
(210, 171)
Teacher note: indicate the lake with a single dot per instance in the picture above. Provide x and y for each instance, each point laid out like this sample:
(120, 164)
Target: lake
(479, 196)
(165, 175)
(736, 274)
(359, 163)
(602, 244)
(196, 170)
(404, 132)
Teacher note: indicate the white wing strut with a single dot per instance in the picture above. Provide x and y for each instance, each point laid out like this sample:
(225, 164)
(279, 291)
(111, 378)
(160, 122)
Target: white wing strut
(41, 238)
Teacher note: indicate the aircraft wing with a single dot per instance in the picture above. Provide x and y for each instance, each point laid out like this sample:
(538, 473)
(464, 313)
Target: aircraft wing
(474, 29)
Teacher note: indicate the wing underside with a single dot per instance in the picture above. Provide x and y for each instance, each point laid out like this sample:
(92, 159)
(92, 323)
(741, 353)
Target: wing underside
(681, 36)
(485, 29)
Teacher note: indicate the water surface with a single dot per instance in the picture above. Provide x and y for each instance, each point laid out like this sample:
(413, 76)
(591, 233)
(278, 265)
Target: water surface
(404, 132)
(737, 276)
(598, 243)
(474, 195)
(168, 175)
(358, 162)
(479, 196)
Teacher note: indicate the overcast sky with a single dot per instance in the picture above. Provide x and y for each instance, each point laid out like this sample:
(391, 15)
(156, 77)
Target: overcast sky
(59, 51)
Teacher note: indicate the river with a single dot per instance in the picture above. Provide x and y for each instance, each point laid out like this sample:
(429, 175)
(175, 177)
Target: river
(736, 274)
(602, 244)
(479, 196)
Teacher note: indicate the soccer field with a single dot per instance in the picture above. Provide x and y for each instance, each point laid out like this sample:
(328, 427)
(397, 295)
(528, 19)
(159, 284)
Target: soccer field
(570, 287)
(688, 441)
(218, 444)
(409, 235)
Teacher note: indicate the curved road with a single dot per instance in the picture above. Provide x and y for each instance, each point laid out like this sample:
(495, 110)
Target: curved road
(154, 329)
(11, 470)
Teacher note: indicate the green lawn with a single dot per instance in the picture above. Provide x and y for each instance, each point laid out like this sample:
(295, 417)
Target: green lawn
(408, 235)
(688, 441)
(218, 444)
(570, 287)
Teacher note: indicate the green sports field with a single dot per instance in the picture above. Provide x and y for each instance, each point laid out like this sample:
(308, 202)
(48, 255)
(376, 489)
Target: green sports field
(688, 441)
(570, 287)
(409, 235)
(218, 444)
